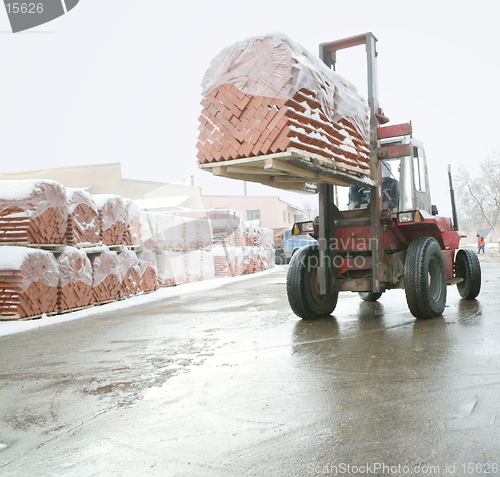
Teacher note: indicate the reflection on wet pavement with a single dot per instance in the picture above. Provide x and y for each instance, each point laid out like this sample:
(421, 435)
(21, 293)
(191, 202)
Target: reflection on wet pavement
(234, 384)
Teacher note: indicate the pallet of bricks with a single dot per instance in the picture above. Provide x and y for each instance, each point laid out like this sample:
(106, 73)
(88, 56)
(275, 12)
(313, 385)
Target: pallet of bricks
(275, 114)
(238, 247)
(54, 256)
(182, 245)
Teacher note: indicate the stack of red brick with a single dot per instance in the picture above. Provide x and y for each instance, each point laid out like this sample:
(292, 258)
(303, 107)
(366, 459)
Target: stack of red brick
(83, 226)
(267, 94)
(29, 281)
(33, 211)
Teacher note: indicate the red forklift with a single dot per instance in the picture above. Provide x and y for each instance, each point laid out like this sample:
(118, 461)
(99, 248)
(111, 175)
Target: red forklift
(391, 236)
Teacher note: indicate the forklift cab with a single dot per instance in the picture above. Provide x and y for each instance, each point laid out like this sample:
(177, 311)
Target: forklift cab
(405, 182)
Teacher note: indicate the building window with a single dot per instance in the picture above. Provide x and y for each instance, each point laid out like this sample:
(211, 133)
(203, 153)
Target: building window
(284, 216)
(253, 214)
(298, 217)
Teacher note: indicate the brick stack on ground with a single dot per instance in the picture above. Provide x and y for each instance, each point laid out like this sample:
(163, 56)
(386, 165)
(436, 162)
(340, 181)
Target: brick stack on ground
(32, 212)
(143, 250)
(111, 210)
(29, 280)
(75, 279)
(83, 226)
(267, 95)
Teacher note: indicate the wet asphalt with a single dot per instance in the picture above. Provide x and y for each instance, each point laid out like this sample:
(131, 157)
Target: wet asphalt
(231, 383)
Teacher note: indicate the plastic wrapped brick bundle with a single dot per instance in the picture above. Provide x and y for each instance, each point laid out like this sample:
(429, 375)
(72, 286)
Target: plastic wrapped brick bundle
(106, 276)
(239, 261)
(133, 223)
(249, 232)
(224, 223)
(207, 265)
(224, 261)
(267, 94)
(257, 236)
(221, 227)
(239, 235)
(170, 232)
(29, 280)
(248, 260)
(198, 234)
(148, 271)
(148, 231)
(33, 211)
(112, 218)
(129, 273)
(193, 264)
(83, 225)
(171, 268)
(267, 238)
(75, 284)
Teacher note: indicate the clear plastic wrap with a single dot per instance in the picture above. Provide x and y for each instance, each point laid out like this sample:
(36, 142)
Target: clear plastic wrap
(224, 261)
(32, 211)
(170, 231)
(22, 266)
(289, 68)
(146, 259)
(171, 268)
(83, 218)
(74, 266)
(105, 264)
(133, 222)
(111, 209)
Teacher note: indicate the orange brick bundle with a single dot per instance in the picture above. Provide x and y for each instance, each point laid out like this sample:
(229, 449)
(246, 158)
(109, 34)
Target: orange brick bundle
(112, 218)
(148, 271)
(28, 282)
(106, 276)
(129, 272)
(224, 261)
(75, 286)
(83, 218)
(133, 223)
(268, 94)
(32, 211)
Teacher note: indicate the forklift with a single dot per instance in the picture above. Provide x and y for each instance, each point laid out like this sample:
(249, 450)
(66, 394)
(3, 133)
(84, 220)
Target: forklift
(391, 236)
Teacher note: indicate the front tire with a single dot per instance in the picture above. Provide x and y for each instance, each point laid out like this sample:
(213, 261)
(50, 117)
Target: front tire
(425, 278)
(302, 287)
(467, 266)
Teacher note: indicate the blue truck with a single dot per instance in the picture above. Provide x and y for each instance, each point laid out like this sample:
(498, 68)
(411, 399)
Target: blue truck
(287, 244)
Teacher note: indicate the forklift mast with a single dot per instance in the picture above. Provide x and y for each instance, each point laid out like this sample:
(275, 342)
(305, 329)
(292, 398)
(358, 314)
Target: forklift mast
(328, 54)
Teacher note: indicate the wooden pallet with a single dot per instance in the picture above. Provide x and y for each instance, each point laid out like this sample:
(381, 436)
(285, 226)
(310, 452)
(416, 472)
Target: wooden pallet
(19, 318)
(51, 247)
(290, 170)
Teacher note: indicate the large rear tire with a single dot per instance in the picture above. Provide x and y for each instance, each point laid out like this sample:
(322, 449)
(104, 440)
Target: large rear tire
(302, 287)
(425, 278)
(369, 296)
(467, 266)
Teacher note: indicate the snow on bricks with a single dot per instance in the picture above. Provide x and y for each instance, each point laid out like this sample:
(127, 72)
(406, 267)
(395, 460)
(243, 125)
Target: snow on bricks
(268, 94)
(112, 218)
(75, 279)
(106, 276)
(32, 212)
(133, 223)
(83, 218)
(29, 281)
(153, 249)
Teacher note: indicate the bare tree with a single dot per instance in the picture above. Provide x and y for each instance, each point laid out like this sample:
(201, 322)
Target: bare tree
(310, 209)
(479, 196)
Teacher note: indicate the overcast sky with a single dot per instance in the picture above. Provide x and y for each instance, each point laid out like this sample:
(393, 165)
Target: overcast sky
(119, 80)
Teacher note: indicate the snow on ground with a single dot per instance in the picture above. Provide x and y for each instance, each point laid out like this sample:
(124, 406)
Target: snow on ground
(188, 289)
